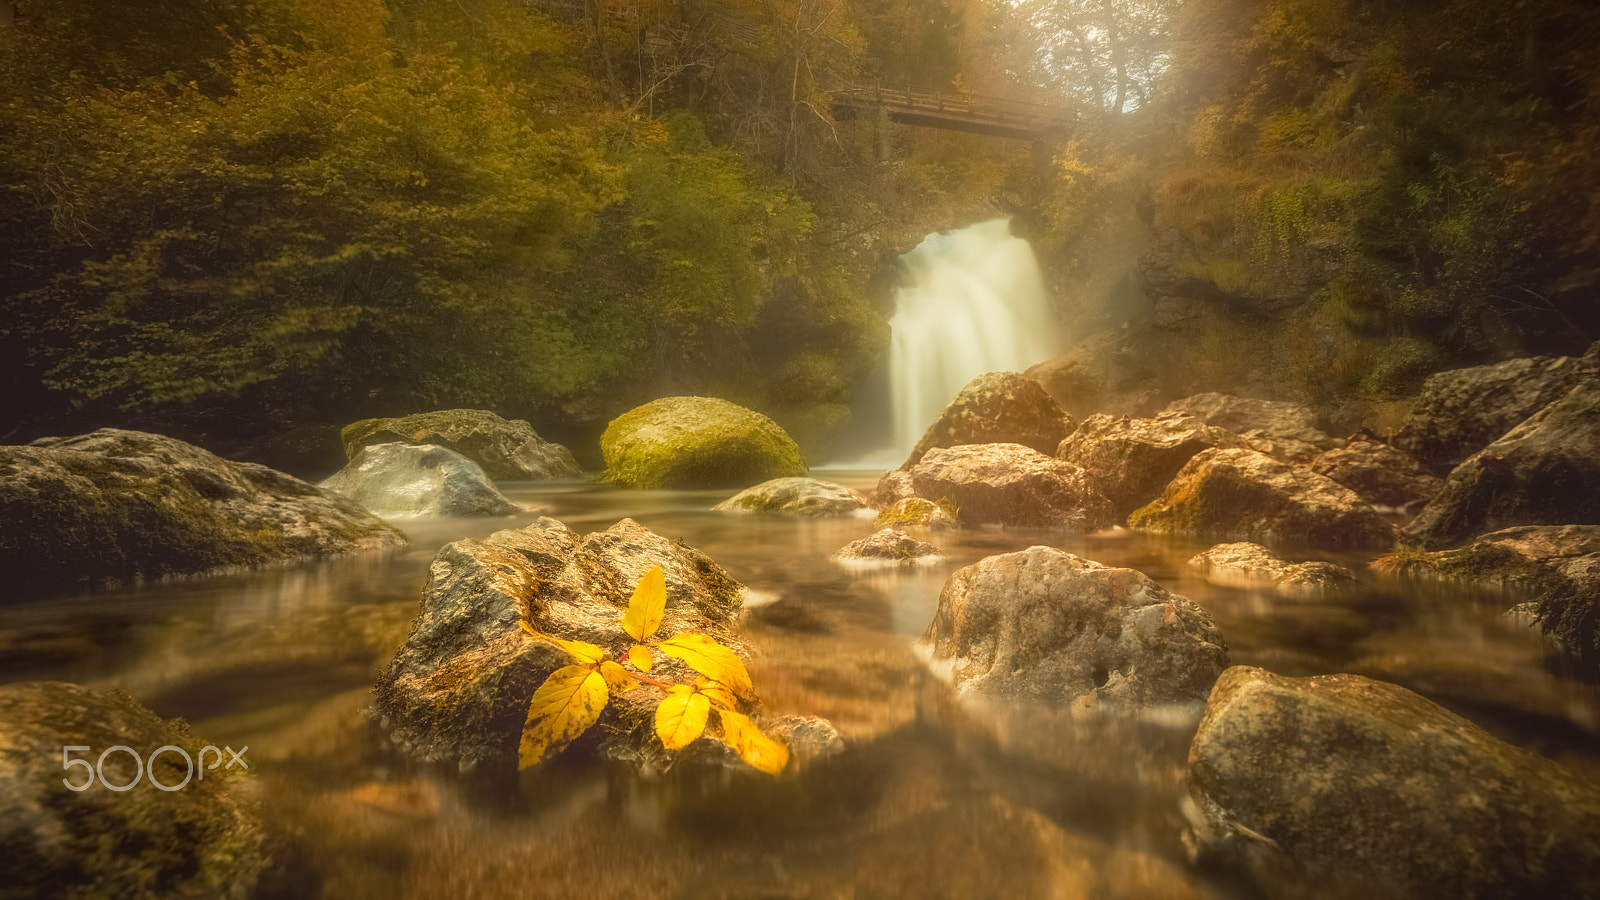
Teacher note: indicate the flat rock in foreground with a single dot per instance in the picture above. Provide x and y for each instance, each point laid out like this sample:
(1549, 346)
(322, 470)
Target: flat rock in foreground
(1362, 788)
(810, 497)
(114, 505)
(887, 547)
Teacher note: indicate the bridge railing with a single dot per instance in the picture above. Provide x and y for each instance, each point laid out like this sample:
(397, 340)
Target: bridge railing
(956, 104)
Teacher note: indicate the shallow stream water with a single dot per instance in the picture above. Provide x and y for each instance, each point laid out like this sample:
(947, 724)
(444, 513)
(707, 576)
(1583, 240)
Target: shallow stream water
(929, 801)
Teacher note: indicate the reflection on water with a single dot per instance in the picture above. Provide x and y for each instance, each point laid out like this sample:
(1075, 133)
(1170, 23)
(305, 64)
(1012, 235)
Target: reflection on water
(931, 801)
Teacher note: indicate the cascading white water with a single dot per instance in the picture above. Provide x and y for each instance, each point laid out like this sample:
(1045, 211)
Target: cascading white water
(975, 303)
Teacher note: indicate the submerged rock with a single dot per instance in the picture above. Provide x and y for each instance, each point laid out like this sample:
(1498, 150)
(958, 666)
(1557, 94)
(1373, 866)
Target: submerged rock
(402, 480)
(1363, 788)
(1131, 460)
(1461, 411)
(997, 408)
(458, 690)
(796, 497)
(1245, 495)
(118, 504)
(697, 442)
(887, 547)
(1545, 471)
(1380, 474)
(1009, 484)
(1044, 626)
(915, 511)
(201, 840)
(1252, 565)
(507, 449)
(1285, 431)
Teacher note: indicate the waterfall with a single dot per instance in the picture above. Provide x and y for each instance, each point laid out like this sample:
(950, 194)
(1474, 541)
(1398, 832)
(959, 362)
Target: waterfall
(974, 302)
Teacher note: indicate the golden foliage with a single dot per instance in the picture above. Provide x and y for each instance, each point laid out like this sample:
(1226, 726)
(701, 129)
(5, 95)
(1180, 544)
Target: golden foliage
(562, 708)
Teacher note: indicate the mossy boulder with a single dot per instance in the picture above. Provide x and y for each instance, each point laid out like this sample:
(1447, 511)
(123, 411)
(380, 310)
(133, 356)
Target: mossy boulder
(697, 442)
(200, 840)
(915, 511)
(115, 505)
(1358, 788)
(887, 547)
(1250, 565)
(507, 449)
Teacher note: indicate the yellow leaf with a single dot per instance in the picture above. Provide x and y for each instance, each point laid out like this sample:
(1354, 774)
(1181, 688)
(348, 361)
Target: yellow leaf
(719, 695)
(617, 678)
(579, 650)
(648, 605)
(639, 656)
(568, 702)
(681, 718)
(712, 660)
(753, 747)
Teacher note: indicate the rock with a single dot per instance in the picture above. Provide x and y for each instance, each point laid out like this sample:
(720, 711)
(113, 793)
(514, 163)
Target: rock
(796, 497)
(1461, 411)
(1545, 471)
(508, 449)
(402, 480)
(894, 486)
(1363, 788)
(1009, 484)
(887, 547)
(117, 504)
(1244, 495)
(696, 442)
(997, 408)
(1109, 372)
(1282, 430)
(915, 511)
(1132, 460)
(809, 739)
(1044, 626)
(457, 692)
(1379, 474)
(201, 840)
(1252, 565)
(1561, 563)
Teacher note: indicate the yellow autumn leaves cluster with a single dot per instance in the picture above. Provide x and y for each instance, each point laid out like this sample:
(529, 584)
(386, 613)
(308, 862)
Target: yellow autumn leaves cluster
(572, 698)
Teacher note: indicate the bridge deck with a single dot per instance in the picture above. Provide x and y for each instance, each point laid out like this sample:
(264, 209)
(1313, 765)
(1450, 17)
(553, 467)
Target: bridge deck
(954, 111)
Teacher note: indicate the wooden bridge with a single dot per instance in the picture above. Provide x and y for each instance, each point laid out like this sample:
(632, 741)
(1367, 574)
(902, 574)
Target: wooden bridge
(953, 111)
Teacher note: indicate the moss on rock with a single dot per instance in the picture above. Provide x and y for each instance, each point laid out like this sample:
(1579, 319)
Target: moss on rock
(697, 442)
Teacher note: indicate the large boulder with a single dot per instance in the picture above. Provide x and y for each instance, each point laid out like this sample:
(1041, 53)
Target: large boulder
(117, 504)
(403, 480)
(457, 691)
(1461, 411)
(887, 547)
(1545, 471)
(1285, 431)
(1131, 460)
(697, 442)
(1043, 626)
(202, 839)
(1362, 788)
(796, 497)
(1379, 474)
(997, 408)
(1250, 565)
(1245, 495)
(1009, 484)
(508, 449)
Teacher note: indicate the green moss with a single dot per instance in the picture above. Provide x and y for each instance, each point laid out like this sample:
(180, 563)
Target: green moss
(697, 442)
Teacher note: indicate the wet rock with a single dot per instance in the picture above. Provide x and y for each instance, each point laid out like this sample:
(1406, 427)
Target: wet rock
(1044, 626)
(1461, 411)
(1132, 460)
(1380, 474)
(507, 449)
(117, 504)
(404, 480)
(1252, 565)
(809, 739)
(1009, 484)
(458, 689)
(894, 486)
(997, 408)
(1282, 430)
(796, 497)
(201, 840)
(887, 547)
(1244, 495)
(915, 511)
(1363, 788)
(1545, 471)
(697, 442)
